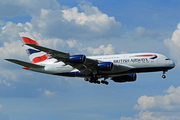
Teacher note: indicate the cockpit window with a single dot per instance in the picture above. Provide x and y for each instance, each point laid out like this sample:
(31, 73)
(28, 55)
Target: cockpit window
(167, 59)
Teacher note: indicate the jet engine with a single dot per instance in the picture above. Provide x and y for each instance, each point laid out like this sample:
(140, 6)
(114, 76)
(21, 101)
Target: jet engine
(79, 59)
(105, 66)
(125, 78)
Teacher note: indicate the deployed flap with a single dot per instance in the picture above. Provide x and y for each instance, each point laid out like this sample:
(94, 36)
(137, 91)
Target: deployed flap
(26, 64)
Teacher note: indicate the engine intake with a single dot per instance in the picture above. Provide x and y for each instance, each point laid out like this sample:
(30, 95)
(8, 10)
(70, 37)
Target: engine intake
(78, 59)
(105, 66)
(125, 78)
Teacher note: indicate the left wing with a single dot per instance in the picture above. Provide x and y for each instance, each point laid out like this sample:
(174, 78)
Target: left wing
(25, 64)
(87, 67)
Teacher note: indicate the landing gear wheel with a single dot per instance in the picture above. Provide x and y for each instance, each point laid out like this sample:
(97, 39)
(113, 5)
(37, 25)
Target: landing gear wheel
(163, 76)
(104, 82)
(98, 82)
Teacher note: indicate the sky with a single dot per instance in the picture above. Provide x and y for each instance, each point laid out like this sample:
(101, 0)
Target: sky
(91, 27)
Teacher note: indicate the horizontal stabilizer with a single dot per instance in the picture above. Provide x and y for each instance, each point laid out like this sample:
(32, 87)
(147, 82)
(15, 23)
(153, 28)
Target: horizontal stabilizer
(26, 64)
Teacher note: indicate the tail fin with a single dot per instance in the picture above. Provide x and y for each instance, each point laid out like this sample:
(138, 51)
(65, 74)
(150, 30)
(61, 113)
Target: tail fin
(35, 55)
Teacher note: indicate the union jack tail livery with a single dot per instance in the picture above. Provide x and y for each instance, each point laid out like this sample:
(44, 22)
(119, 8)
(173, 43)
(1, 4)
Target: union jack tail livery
(35, 55)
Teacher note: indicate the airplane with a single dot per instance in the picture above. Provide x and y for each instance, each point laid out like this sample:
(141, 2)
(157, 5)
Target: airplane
(120, 67)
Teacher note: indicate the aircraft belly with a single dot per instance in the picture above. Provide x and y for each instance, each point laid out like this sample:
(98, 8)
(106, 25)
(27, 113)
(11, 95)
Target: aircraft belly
(115, 70)
(135, 70)
(150, 69)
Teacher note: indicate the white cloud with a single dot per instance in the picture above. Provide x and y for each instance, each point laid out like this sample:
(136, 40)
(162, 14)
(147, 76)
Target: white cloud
(157, 107)
(72, 43)
(97, 21)
(49, 94)
(102, 50)
(168, 102)
(146, 115)
(141, 32)
(70, 23)
(12, 50)
(174, 44)
(10, 31)
(176, 36)
(145, 102)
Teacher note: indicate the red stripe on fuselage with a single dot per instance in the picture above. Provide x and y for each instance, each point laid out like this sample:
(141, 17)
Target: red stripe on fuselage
(28, 40)
(148, 55)
(40, 59)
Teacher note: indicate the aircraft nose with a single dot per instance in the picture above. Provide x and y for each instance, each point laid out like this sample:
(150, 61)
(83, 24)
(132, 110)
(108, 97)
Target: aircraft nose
(171, 64)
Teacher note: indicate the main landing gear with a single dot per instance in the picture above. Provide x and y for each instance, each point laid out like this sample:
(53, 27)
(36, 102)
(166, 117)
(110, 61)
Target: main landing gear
(164, 76)
(96, 81)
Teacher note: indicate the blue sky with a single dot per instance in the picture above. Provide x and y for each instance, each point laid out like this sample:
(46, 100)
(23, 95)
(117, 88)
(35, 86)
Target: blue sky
(93, 28)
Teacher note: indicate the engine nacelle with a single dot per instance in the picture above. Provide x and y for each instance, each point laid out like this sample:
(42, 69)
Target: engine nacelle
(105, 66)
(78, 59)
(125, 78)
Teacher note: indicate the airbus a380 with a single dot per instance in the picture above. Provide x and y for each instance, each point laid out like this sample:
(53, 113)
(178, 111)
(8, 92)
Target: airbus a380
(120, 67)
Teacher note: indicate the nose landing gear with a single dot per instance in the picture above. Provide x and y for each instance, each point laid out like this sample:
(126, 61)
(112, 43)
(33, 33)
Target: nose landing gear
(164, 76)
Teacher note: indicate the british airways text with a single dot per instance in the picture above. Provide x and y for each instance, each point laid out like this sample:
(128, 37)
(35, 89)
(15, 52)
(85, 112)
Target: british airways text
(130, 60)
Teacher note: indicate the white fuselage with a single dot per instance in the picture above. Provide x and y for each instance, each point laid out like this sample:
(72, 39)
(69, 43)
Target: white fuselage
(120, 67)
(135, 63)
